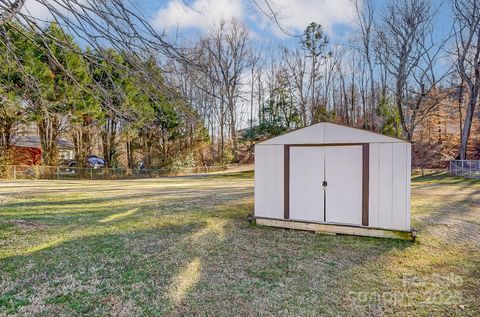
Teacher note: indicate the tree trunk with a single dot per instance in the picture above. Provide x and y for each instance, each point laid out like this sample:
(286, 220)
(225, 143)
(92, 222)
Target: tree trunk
(399, 103)
(233, 130)
(129, 146)
(109, 139)
(460, 106)
(467, 125)
(222, 140)
(48, 130)
(82, 140)
(6, 128)
(372, 96)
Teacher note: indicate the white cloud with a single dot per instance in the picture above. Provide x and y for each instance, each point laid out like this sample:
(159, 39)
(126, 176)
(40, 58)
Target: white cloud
(41, 11)
(199, 14)
(37, 10)
(294, 16)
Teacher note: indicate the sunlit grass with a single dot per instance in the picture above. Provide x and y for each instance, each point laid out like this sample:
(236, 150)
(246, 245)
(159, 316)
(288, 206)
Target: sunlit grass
(120, 215)
(185, 280)
(214, 226)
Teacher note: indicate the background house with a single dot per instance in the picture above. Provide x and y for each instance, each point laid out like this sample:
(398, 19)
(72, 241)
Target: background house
(27, 150)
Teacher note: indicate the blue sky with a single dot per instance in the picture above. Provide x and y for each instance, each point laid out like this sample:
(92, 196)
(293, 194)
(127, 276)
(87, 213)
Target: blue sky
(192, 18)
(201, 15)
(336, 16)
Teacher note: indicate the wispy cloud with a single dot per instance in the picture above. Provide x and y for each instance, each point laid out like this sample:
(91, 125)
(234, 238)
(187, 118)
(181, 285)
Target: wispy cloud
(199, 14)
(293, 16)
(41, 10)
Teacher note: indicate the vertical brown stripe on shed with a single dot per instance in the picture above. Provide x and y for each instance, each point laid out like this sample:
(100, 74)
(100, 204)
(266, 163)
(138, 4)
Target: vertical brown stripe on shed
(286, 182)
(365, 187)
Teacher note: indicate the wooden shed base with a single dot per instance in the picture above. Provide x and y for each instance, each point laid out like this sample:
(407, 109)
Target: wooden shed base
(326, 228)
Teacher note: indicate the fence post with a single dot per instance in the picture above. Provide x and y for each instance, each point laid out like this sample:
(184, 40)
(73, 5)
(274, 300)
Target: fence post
(14, 172)
(58, 172)
(91, 174)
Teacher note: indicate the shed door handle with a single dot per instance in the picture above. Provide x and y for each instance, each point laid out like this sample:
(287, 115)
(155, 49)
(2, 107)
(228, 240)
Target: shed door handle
(324, 183)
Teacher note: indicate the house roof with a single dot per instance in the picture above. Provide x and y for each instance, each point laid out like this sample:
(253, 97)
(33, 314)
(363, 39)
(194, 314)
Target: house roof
(328, 133)
(33, 141)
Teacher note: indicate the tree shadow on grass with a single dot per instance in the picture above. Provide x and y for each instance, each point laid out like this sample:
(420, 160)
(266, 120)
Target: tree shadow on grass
(98, 273)
(91, 210)
(119, 195)
(207, 265)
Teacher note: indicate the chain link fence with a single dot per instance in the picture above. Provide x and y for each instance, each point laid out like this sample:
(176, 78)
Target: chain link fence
(18, 172)
(465, 168)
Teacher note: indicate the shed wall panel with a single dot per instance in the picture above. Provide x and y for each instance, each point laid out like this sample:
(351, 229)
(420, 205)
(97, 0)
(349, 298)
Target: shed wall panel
(278, 176)
(385, 183)
(399, 186)
(259, 179)
(269, 181)
(408, 184)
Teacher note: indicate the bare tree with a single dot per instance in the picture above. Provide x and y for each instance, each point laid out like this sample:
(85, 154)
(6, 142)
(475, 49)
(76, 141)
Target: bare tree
(402, 43)
(255, 70)
(229, 58)
(10, 9)
(365, 11)
(467, 54)
(297, 65)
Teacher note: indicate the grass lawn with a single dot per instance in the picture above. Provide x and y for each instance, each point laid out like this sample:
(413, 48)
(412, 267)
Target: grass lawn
(182, 246)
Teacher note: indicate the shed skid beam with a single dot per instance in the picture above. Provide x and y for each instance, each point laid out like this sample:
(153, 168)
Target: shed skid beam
(327, 228)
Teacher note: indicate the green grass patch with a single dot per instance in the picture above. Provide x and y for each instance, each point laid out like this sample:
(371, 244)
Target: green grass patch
(11, 303)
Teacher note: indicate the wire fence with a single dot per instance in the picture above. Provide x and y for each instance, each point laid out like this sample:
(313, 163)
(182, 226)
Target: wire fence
(465, 168)
(19, 172)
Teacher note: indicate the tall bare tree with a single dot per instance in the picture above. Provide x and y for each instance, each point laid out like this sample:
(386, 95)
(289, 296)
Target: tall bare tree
(365, 11)
(402, 41)
(467, 54)
(229, 59)
(297, 66)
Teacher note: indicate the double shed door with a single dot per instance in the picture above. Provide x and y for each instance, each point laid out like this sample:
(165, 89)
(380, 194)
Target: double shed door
(326, 184)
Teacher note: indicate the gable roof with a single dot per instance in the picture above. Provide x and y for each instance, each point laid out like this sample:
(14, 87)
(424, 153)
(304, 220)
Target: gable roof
(328, 133)
(33, 141)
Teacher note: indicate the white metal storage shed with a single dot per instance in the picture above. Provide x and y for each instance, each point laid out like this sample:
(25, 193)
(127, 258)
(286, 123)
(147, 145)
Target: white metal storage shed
(335, 179)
